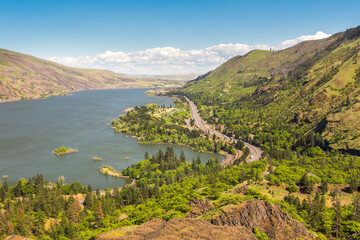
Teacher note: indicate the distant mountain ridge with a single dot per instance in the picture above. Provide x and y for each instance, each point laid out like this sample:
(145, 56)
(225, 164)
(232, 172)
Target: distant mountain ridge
(315, 84)
(27, 77)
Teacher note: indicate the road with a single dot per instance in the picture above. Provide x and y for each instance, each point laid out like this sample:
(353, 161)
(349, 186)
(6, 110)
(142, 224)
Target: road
(255, 152)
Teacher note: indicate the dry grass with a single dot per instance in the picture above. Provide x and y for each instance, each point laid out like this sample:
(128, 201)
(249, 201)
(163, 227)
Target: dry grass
(277, 193)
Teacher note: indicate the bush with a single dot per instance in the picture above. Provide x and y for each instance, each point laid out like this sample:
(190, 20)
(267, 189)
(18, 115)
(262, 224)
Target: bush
(61, 149)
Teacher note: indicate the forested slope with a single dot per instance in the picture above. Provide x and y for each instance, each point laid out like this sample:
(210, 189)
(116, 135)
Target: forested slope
(313, 86)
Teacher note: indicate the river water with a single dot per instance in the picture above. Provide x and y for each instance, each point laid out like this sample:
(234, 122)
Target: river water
(31, 130)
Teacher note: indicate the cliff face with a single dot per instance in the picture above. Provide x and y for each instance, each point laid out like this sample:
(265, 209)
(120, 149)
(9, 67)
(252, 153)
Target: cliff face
(237, 223)
(199, 207)
(179, 228)
(268, 218)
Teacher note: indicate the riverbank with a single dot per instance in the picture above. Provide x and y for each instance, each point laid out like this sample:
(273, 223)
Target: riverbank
(175, 144)
(110, 171)
(171, 128)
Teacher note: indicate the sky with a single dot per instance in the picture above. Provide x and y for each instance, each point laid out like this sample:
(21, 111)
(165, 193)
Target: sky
(165, 37)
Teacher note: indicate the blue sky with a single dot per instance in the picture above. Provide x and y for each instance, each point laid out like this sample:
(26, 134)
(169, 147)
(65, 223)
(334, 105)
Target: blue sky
(82, 28)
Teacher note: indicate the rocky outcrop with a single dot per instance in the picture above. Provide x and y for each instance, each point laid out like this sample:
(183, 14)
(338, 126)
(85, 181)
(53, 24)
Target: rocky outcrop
(269, 218)
(265, 90)
(179, 228)
(297, 118)
(236, 222)
(199, 207)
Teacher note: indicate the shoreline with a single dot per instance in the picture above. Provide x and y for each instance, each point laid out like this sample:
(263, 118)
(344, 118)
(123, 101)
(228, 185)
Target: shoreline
(180, 144)
(133, 135)
(175, 144)
(110, 171)
(59, 94)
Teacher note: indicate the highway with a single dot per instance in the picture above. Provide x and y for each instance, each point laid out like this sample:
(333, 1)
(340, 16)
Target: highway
(255, 152)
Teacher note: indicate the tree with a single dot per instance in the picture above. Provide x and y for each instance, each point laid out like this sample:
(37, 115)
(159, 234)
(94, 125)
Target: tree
(307, 183)
(353, 184)
(18, 189)
(89, 200)
(98, 214)
(324, 187)
(356, 208)
(337, 208)
(60, 180)
(291, 188)
(182, 157)
(198, 161)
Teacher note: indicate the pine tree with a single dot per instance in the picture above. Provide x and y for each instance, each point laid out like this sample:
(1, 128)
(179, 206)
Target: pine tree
(3, 194)
(356, 209)
(308, 184)
(198, 161)
(353, 184)
(324, 187)
(337, 208)
(98, 214)
(89, 200)
(97, 193)
(182, 157)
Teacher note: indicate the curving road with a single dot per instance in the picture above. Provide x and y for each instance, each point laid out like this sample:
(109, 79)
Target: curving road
(255, 152)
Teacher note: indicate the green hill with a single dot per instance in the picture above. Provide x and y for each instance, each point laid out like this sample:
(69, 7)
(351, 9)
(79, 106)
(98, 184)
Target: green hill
(27, 77)
(313, 86)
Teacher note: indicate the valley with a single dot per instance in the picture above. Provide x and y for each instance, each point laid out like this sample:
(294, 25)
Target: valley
(24, 77)
(286, 120)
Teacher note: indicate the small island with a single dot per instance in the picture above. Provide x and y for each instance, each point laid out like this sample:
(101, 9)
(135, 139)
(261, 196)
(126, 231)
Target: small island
(64, 150)
(109, 170)
(96, 159)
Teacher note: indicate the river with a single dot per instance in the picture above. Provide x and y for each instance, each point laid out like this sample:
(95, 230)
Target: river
(31, 130)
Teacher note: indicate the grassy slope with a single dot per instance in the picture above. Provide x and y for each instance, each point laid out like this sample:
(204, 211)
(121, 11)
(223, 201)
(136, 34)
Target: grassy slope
(26, 77)
(298, 80)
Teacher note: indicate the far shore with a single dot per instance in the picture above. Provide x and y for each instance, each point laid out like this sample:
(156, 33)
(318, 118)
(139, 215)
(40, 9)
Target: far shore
(18, 99)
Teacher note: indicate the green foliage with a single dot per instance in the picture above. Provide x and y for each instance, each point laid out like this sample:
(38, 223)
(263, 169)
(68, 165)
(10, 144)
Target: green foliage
(61, 149)
(162, 125)
(165, 185)
(260, 236)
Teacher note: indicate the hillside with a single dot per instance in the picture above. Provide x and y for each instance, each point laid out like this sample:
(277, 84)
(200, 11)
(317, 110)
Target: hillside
(245, 221)
(314, 85)
(27, 77)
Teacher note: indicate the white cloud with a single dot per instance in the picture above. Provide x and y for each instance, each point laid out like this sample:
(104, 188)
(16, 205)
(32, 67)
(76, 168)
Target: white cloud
(292, 42)
(170, 60)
